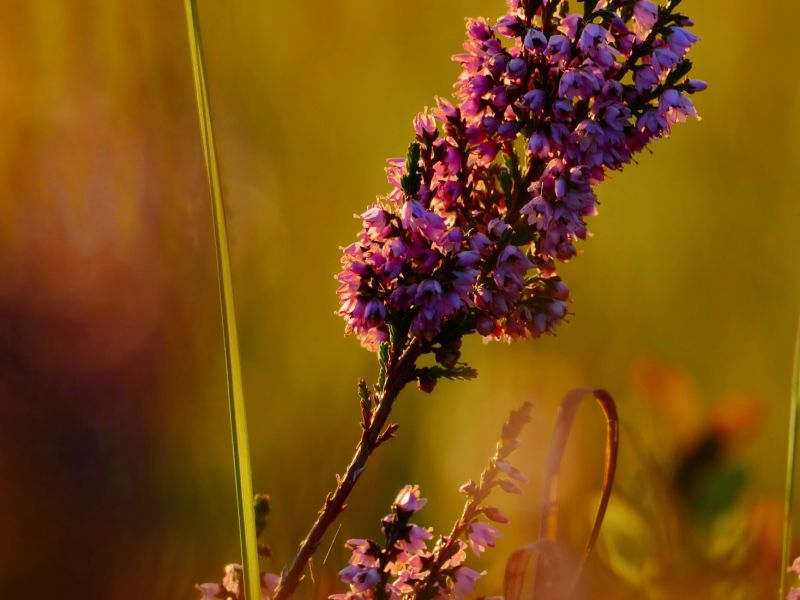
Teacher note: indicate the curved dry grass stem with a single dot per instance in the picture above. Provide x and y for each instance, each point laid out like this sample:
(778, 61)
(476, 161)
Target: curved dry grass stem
(238, 417)
(563, 427)
(790, 466)
(546, 569)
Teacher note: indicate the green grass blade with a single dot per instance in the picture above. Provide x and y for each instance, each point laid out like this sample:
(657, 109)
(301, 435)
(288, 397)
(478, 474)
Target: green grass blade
(241, 447)
(790, 466)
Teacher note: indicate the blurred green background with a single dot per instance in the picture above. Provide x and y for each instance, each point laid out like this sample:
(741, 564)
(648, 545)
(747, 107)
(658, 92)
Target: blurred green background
(115, 460)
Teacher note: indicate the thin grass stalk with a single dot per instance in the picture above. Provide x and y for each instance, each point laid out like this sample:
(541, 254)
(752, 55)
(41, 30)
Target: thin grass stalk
(239, 438)
(788, 502)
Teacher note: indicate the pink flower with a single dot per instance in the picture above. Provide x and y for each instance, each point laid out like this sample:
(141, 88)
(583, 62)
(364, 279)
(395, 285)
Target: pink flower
(232, 582)
(569, 25)
(664, 59)
(362, 552)
(409, 499)
(269, 583)
(416, 538)
(359, 577)
(645, 79)
(465, 579)
(675, 107)
(233, 578)
(482, 536)
(454, 184)
(558, 49)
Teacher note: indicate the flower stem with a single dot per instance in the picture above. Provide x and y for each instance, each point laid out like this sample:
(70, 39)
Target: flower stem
(790, 466)
(241, 448)
(399, 371)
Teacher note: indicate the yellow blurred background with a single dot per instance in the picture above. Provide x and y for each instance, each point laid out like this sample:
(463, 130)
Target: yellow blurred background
(115, 459)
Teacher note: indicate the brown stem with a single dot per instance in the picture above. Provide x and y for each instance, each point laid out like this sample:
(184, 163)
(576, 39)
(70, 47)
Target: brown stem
(399, 371)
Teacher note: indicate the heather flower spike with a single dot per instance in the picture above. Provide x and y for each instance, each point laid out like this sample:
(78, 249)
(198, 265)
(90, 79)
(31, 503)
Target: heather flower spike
(496, 188)
(404, 567)
(493, 194)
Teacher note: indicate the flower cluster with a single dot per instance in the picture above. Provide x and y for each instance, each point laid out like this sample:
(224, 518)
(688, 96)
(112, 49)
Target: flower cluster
(404, 566)
(394, 569)
(496, 188)
(231, 588)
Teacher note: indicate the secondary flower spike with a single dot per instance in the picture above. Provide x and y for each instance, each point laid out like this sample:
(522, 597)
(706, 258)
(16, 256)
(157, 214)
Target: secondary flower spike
(497, 186)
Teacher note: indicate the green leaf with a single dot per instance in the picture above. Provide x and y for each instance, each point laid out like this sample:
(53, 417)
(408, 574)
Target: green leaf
(241, 447)
(411, 181)
(461, 372)
(383, 358)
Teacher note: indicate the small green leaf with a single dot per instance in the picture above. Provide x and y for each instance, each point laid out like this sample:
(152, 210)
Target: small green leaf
(410, 182)
(461, 372)
(383, 358)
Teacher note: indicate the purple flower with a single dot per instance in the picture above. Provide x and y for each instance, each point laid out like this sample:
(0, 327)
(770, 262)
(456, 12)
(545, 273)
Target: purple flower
(645, 15)
(409, 500)
(664, 59)
(533, 100)
(558, 49)
(360, 577)
(695, 85)
(517, 68)
(535, 40)
(578, 83)
(646, 78)
(570, 25)
(424, 125)
(482, 536)
(675, 107)
(415, 539)
(680, 40)
(231, 586)
(594, 42)
(465, 580)
(509, 26)
(469, 235)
